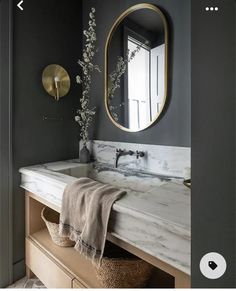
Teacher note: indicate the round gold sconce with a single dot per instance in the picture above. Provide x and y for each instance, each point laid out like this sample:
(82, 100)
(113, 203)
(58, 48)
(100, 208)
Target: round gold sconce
(56, 81)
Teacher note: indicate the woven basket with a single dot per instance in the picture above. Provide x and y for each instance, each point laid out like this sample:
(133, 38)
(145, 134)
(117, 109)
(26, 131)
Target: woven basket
(126, 271)
(51, 218)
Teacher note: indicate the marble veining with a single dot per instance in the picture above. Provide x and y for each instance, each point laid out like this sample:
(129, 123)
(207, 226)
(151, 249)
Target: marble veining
(162, 160)
(154, 216)
(25, 283)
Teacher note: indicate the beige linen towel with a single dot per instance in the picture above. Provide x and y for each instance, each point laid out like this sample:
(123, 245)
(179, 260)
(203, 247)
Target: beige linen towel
(86, 207)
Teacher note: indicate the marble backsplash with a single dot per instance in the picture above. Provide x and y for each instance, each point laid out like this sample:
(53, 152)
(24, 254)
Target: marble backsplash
(160, 160)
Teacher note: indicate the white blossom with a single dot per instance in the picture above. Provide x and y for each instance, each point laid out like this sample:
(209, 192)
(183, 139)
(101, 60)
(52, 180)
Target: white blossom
(78, 79)
(85, 115)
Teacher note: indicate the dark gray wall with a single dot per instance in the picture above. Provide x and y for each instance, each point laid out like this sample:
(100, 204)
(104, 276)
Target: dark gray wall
(174, 128)
(213, 138)
(5, 143)
(45, 32)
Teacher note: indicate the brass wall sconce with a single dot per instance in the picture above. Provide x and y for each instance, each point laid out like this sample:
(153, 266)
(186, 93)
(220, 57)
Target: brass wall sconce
(56, 81)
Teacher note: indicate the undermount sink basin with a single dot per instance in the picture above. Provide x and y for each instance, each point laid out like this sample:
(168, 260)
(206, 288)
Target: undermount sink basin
(121, 178)
(82, 170)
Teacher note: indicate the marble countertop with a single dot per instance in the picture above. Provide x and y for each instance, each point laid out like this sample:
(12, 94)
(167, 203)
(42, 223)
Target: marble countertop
(154, 216)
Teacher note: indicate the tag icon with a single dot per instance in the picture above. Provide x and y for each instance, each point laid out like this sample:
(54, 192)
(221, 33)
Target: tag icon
(212, 265)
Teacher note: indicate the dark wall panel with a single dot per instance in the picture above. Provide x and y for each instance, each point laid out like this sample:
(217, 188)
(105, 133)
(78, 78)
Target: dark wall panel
(45, 32)
(213, 138)
(174, 128)
(5, 142)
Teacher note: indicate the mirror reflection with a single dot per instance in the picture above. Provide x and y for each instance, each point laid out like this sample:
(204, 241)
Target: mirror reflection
(136, 68)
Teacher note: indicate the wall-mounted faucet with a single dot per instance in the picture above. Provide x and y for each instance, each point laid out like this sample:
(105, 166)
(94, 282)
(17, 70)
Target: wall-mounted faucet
(120, 153)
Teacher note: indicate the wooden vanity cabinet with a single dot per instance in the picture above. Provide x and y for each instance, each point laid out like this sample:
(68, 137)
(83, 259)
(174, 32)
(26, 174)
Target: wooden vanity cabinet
(76, 284)
(50, 273)
(62, 267)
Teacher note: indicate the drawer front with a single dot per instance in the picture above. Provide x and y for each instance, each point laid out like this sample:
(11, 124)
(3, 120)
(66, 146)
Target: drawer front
(45, 268)
(77, 284)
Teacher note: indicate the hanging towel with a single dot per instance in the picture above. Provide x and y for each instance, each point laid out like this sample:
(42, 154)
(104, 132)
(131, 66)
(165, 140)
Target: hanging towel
(86, 207)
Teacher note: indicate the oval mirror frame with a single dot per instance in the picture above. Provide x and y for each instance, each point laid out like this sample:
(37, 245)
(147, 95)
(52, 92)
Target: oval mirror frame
(108, 41)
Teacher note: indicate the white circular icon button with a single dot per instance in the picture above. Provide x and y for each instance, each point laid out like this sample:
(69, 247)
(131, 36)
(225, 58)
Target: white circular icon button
(213, 265)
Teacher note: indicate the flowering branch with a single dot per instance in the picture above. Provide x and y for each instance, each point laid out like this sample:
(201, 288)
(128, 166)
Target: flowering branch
(115, 77)
(85, 115)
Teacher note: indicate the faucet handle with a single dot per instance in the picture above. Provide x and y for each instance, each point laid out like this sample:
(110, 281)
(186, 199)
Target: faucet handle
(140, 154)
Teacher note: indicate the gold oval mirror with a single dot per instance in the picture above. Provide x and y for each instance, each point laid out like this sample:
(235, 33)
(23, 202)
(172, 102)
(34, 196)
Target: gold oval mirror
(136, 57)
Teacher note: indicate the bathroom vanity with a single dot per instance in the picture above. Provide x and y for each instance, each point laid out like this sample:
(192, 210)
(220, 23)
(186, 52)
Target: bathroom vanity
(152, 221)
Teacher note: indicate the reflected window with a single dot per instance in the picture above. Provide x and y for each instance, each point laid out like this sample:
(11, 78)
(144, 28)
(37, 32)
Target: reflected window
(145, 83)
(138, 85)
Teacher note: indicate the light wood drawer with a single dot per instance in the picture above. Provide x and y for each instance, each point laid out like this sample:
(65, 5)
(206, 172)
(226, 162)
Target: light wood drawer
(45, 268)
(77, 284)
